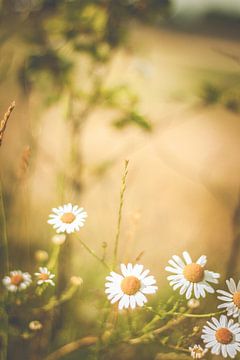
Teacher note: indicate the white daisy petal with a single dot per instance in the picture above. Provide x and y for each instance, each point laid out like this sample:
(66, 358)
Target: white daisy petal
(67, 218)
(187, 257)
(196, 278)
(221, 336)
(129, 288)
(230, 299)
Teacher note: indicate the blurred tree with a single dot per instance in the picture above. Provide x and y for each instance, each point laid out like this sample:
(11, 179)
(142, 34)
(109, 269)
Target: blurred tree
(58, 42)
(54, 37)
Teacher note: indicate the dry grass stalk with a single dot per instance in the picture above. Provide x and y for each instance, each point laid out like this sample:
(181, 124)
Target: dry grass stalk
(4, 122)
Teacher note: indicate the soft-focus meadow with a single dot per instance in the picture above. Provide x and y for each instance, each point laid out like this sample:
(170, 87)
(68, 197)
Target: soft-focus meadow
(129, 109)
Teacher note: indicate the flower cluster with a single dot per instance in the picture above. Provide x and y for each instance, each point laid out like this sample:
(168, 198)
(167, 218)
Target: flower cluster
(130, 287)
(223, 335)
(18, 281)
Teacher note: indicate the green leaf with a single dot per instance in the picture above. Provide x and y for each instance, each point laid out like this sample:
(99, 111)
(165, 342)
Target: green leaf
(133, 118)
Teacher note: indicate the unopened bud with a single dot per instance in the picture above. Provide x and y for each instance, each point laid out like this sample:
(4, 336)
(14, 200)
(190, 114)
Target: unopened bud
(59, 239)
(41, 255)
(35, 325)
(193, 303)
(76, 280)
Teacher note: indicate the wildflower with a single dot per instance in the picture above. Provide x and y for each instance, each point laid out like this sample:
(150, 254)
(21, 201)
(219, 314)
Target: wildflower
(44, 276)
(76, 280)
(193, 303)
(67, 218)
(35, 325)
(190, 276)
(197, 352)
(222, 336)
(231, 299)
(130, 287)
(41, 255)
(17, 281)
(59, 239)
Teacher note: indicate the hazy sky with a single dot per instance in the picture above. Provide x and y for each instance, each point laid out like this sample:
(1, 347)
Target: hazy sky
(200, 6)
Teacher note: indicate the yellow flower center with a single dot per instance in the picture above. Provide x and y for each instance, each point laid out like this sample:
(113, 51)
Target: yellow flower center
(193, 272)
(224, 336)
(130, 285)
(16, 279)
(43, 276)
(68, 218)
(236, 299)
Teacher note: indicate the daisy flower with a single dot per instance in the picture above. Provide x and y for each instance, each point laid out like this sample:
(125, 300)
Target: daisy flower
(231, 299)
(222, 336)
(67, 218)
(44, 276)
(197, 352)
(129, 287)
(191, 277)
(17, 281)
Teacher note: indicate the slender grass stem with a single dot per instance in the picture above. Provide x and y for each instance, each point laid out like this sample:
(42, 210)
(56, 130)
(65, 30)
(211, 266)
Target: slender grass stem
(153, 333)
(200, 315)
(94, 254)
(3, 271)
(122, 191)
(178, 348)
(3, 252)
(187, 314)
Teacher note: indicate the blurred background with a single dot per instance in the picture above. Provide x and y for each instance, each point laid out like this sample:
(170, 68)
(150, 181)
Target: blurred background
(97, 82)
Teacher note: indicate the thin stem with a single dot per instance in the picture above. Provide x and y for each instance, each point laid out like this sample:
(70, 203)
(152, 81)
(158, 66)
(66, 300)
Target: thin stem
(3, 271)
(151, 334)
(94, 254)
(130, 324)
(157, 317)
(177, 348)
(200, 315)
(71, 347)
(122, 191)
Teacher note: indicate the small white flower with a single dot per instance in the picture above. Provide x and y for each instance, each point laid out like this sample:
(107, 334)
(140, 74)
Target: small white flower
(197, 352)
(130, 287)
(17, 281)
(44, 276)
(59, 239)
(231, 299)
(222, 336)
(191, 277)
(67, 218)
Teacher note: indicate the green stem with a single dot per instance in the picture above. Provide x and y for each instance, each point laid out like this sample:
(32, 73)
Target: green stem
(94, 254)
(123, 188)
(177, 348)
(54, 258)
(200, 315)
(157, 317)
(3, 271)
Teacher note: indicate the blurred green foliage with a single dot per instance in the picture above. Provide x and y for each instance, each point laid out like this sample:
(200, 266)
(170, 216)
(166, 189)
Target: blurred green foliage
(57, 34)
(228, 95)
